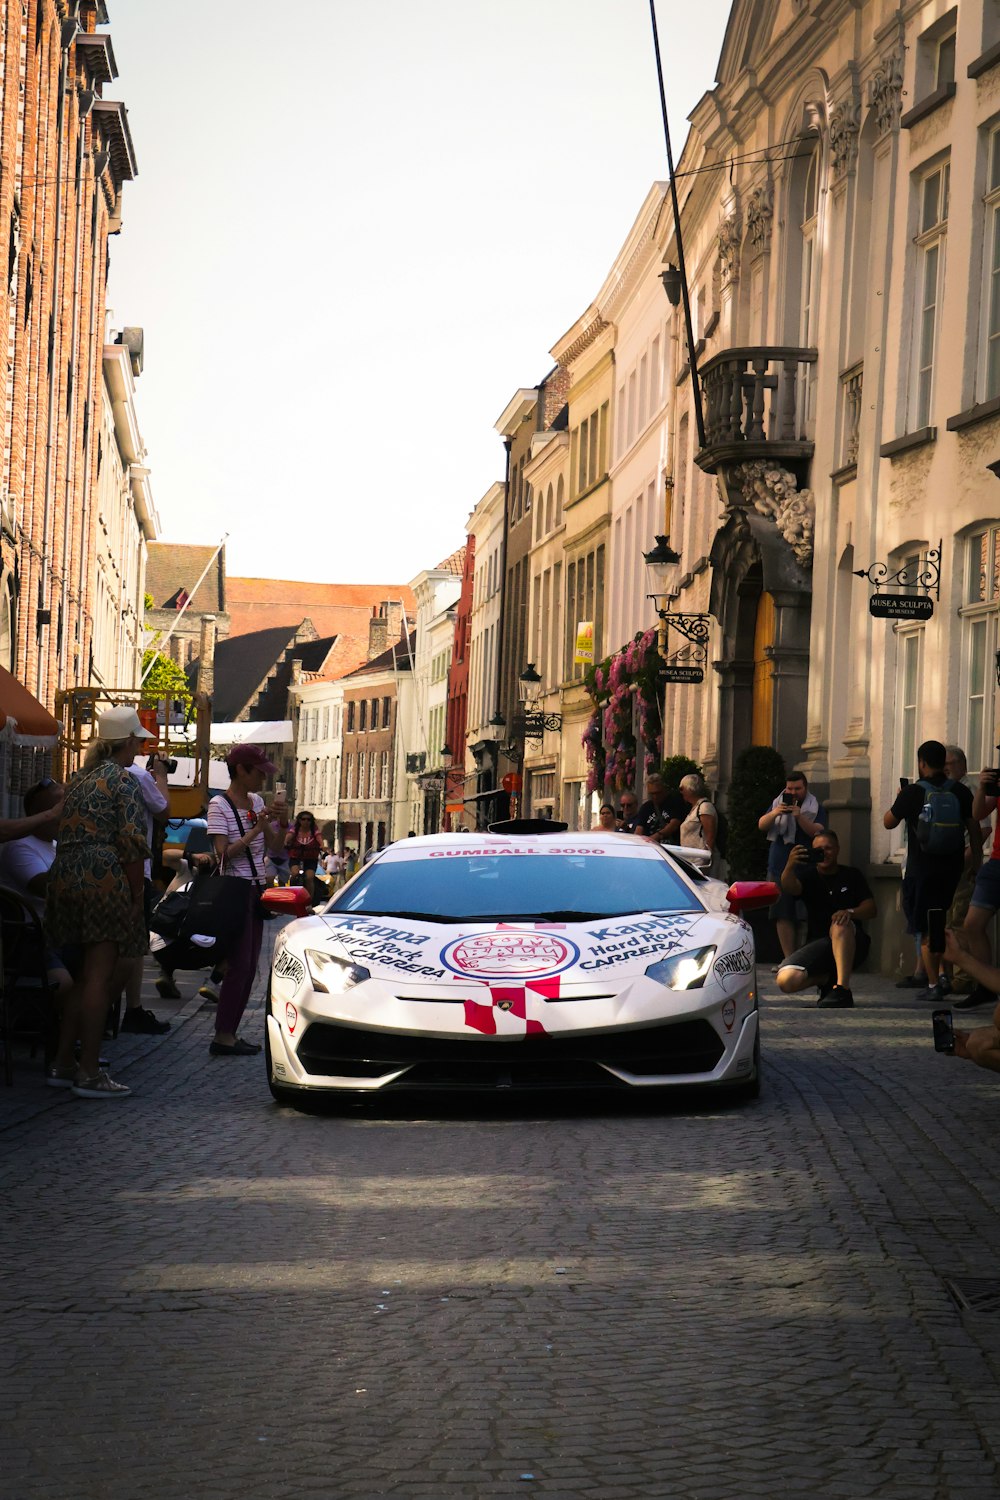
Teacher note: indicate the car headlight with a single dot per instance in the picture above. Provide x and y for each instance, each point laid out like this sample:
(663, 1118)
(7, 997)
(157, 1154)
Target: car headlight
(683, 971)
(333, 975)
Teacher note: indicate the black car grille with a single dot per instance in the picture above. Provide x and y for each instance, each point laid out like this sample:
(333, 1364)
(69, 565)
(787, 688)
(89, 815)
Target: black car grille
(542, 1062)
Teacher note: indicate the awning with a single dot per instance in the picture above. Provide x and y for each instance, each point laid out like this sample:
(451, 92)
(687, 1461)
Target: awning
(23, 716)
(497, 791)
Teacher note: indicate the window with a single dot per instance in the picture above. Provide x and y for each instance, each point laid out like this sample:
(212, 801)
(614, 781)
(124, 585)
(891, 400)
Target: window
(979, 613)
(373, 776)
(349, 785)
(362, 715)
(990, 375)
(932, 226)
(374, 714)
(350, 720)
(362, 768)
(386, 712)
(385, 773)
(944, 61)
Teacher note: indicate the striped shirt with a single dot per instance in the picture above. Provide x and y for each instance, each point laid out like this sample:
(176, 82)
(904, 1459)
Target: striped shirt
(222, 819)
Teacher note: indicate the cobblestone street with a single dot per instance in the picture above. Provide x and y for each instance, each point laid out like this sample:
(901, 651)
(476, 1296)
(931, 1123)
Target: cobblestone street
(207, 1296)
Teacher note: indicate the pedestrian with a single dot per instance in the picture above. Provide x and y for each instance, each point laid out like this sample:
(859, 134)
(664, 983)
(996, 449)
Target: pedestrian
(152, 782)
(628, 812)
(242, 828)
(335, 865)
(304, 849)
(794, 818)
(95, 893)
(660, 816)
(938, 813)
(700, 827)
(607, 819)
(25, 864)
(837, 899)
(956, 767)
(981, 1046)
(984, 901)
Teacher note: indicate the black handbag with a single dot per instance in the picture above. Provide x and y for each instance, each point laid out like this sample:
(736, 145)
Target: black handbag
(220, 904)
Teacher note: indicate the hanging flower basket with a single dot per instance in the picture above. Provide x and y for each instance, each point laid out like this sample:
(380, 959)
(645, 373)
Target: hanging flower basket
(624, 692)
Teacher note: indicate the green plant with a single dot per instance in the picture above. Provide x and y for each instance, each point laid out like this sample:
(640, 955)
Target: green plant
(676, 767)
(165, 680)
(758, 776)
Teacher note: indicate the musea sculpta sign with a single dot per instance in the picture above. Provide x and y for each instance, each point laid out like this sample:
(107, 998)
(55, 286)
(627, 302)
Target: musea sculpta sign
(671, 673)
(901, 606)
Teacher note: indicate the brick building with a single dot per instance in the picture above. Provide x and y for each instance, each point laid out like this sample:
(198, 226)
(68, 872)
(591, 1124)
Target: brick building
(373, 805)
(65, 156)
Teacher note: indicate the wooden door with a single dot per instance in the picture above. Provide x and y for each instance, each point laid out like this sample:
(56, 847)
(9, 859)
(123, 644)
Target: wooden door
(762, 725)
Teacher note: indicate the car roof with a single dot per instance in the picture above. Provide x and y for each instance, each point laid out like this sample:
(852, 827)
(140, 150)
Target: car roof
(598, 842)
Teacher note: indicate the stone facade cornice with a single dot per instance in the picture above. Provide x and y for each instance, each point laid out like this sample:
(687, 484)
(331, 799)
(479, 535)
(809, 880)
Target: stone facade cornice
(634, 254)
(585, 331)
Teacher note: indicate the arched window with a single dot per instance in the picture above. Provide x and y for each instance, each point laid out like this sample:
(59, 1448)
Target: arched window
(549, 509)
(6, 626)
(559, 501)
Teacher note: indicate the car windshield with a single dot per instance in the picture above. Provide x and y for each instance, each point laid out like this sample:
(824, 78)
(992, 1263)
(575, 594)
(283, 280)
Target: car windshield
(528, 887)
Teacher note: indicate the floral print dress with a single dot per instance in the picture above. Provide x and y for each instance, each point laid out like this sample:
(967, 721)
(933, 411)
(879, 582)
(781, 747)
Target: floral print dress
(103, 828)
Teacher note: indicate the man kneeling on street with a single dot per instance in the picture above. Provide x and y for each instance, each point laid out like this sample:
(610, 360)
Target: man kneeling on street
(837, 900)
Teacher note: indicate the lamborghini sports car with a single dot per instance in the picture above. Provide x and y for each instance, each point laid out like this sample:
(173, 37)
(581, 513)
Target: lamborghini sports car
(518, 960)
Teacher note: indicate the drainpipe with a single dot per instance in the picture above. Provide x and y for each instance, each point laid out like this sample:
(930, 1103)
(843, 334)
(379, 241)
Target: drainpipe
(96, 340)
(71, 421)
(67, 37)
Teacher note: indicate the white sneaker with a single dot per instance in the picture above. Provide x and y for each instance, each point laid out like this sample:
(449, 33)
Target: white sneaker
(101, 1086)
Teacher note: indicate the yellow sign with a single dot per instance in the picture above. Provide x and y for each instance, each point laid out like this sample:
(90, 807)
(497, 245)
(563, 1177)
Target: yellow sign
(584, 654)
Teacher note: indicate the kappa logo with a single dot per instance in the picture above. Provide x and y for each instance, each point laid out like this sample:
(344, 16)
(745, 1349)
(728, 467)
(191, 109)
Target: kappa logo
(510, 953)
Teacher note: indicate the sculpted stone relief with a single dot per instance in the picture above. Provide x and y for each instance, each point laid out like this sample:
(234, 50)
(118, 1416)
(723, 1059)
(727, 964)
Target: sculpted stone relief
(730, 231)
(845, 126)
(774, 493)
(760, 212)
(885, 92)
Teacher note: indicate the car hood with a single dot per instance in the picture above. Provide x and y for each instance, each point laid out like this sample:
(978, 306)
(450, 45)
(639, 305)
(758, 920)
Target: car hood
(549, 956)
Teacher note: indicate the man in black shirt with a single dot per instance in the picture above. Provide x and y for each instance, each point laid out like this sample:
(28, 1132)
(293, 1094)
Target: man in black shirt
(628, 813)
(660, 817)
(938, 814)
(837, 900)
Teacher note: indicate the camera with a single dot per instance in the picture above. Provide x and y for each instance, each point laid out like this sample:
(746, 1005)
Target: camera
(944, 1031)
(169, 763)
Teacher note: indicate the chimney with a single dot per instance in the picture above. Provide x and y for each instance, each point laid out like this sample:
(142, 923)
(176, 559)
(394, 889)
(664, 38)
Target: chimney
(296, 669)
(393, 611)
(378, 634)
(206, 656)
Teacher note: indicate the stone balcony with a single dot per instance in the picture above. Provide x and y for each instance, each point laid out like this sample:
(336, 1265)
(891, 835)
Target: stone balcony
(756, 403)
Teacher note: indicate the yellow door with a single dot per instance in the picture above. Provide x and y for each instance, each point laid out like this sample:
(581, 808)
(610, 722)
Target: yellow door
(763, 683)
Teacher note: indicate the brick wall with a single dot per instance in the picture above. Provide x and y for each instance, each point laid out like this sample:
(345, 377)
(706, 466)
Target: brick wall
(67, 170)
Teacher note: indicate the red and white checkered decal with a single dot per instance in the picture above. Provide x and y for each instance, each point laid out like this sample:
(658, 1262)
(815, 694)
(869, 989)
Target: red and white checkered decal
(506, 1014)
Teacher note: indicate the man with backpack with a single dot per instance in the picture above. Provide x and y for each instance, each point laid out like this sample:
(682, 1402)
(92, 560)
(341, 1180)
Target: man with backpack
(938, 814)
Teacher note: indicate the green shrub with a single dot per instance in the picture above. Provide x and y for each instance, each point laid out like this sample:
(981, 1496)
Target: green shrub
(676, 767)
(758, 777)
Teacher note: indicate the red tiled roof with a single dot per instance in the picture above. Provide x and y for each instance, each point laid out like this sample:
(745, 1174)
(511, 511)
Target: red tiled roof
(341, 609)
(453, 564)
(172, 566)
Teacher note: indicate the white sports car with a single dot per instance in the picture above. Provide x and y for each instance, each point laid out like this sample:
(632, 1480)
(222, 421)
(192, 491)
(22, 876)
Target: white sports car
(518, 960)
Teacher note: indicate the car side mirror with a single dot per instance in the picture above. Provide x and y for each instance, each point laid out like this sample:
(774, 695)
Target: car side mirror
(748, 895)
(287, 900)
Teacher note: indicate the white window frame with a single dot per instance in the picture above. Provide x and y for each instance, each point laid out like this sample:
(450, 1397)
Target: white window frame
(929, 240)
(982, 615)
(989, 340)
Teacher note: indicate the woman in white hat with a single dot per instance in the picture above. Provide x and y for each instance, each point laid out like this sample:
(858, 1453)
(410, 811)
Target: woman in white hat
(94, 894)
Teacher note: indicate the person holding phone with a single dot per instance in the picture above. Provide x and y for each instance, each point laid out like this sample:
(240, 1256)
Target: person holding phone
(793, 819)
(242, 828)
(981, 1046)
(838, 900)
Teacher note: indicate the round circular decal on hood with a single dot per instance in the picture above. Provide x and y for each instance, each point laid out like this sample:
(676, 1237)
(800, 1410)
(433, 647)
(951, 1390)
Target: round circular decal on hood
(511, 954)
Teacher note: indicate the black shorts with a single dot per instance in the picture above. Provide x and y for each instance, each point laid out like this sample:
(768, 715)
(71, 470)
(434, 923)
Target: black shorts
(817, 959)
(927, 889)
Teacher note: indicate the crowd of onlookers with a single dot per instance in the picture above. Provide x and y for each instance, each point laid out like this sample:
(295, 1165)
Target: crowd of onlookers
(80, 861)
(950, 896)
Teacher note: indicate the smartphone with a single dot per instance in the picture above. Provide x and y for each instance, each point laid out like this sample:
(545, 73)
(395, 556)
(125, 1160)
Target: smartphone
(936, 917)
(944, 1031)
(279, 788)
(903, 781)
(788, 798)
(816, 856)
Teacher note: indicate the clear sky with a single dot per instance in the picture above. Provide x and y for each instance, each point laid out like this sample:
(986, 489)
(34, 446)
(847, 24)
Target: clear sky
(357, 229)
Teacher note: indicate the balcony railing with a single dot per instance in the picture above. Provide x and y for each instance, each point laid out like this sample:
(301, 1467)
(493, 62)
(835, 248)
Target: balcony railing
(852, 388)
(756, 405)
